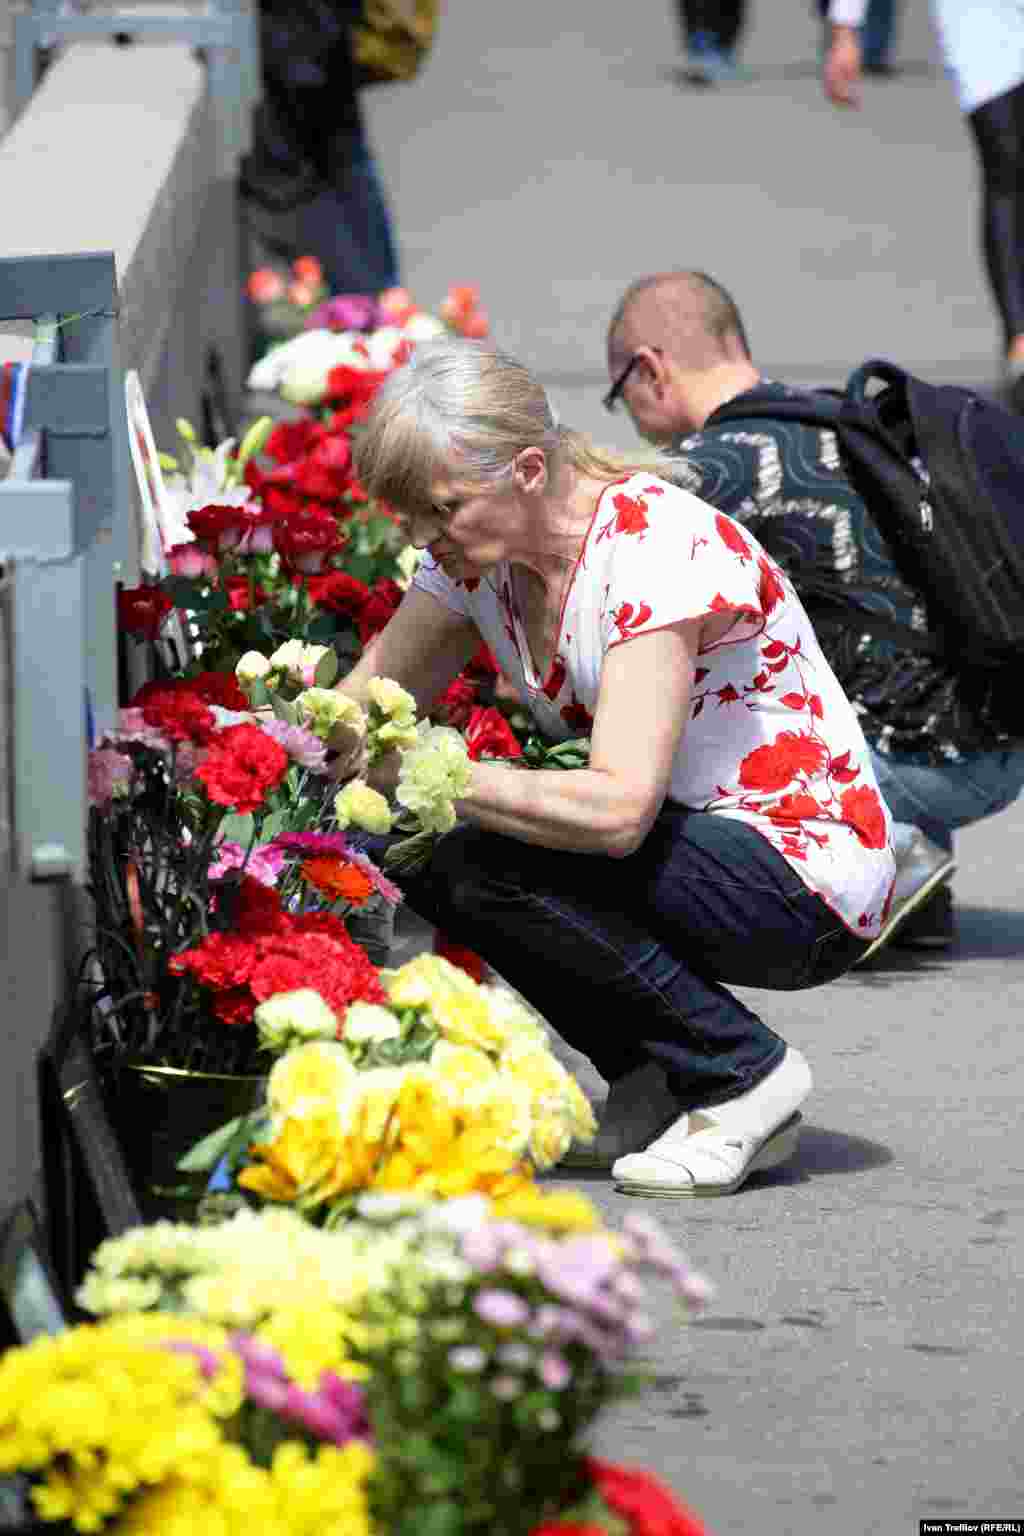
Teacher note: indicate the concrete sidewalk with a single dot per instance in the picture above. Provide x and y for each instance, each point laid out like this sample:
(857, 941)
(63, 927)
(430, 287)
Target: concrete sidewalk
(860, 1368)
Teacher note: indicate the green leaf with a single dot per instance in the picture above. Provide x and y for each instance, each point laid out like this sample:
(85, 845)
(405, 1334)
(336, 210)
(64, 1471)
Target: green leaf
(441, 1517)
(237, 828)
(206, 1154)
(326, 670)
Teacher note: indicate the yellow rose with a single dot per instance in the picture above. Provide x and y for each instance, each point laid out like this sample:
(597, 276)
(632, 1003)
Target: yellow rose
(309, 1077)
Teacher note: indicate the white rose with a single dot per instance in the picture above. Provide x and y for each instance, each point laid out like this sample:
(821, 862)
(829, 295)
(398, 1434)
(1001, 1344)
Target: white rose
(251, 668)
(289, 1017)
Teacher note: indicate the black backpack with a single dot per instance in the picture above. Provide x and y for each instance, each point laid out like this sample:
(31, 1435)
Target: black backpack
(941, 471)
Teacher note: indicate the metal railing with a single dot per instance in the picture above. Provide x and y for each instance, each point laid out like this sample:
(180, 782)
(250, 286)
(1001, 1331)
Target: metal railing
(66, 537)
(227, 32)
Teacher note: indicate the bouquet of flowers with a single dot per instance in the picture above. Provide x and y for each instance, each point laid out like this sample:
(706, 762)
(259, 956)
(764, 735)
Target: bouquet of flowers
(283, 300)
(196, 807)
(352, 341)
(259, 556)
(427, 1081)
(149, 1422)
(466, 1345)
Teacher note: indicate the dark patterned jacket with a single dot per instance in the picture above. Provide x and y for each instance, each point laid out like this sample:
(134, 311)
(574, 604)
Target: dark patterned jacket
(786, 482)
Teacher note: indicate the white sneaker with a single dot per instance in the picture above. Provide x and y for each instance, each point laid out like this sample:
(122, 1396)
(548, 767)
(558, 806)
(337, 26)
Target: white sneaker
(921, 867)
(712, 1151)
(639, 1106)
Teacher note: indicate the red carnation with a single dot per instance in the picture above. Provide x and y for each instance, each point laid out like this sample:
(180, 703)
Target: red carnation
(338, 592)
(862, 809)
(305, 539)
(352, 389)
(180, 714)
(385, 596)
(325, 472)
(460, 955)
(488, 734)
(220, 688)
(482, 663)
(777, 764)
(241, 766)
(217, 528)
(642, 1500)
(142, 610)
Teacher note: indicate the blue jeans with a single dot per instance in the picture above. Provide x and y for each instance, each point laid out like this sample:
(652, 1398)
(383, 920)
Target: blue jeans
(627, 957)
(942, 797)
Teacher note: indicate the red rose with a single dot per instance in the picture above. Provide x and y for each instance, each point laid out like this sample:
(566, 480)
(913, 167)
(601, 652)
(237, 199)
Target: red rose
(142, 610)
(217, 528)
(241, 766)
(236, 590)
(325, 471)
(457, 702)
(482, 663)
(862, 810)
(488, 734)
(338, 592)
(305, 539)
(219, 688)
(353, 388)
(576, 716)
(289, 440)
(777, 764)
(458, 954)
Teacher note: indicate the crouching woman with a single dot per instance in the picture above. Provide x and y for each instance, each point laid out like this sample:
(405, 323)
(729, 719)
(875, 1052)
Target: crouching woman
(728, 829)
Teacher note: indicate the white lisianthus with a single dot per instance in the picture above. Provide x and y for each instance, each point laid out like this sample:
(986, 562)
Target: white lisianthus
(366, 1023)
(434, 774)
(359, 805)
(251, 668)
(291, 1018)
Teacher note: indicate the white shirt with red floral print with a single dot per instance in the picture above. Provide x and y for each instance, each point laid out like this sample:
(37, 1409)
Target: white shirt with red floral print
(771, 740)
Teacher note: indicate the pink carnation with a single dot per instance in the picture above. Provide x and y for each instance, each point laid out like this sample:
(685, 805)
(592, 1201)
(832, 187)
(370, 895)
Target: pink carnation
(110, 774)
(264, 864)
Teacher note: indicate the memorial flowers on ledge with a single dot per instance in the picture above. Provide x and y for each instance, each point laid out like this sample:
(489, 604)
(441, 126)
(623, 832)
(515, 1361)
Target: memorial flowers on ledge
(481, 1339)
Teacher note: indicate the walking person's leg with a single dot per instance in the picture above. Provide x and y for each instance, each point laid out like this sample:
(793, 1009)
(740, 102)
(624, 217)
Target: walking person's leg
(631, 960)
(998, 131)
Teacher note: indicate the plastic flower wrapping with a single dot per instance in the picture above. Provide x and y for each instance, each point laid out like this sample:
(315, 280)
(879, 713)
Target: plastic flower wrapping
(431, 1364)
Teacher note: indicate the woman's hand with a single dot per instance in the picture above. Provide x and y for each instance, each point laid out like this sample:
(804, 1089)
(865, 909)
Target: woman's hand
(842, 70)
(383, 775)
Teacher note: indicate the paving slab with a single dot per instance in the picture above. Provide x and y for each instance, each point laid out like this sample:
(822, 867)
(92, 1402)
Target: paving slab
(860, 1367)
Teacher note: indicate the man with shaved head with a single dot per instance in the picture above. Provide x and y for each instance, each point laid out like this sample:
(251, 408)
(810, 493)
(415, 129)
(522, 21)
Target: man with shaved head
(677, 354)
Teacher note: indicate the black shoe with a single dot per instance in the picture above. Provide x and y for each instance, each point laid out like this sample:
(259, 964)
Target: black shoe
(932, 926)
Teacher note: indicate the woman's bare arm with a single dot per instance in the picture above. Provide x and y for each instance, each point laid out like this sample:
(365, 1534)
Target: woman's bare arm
(423, 646)
(610, 806)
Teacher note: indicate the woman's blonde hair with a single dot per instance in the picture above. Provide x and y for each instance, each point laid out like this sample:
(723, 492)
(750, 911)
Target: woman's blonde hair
(463, 410)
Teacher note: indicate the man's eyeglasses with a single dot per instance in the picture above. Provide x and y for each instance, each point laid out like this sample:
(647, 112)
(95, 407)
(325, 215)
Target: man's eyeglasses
(611, 399)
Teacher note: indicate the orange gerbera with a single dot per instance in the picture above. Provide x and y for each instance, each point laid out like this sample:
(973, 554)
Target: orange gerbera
(338, 880)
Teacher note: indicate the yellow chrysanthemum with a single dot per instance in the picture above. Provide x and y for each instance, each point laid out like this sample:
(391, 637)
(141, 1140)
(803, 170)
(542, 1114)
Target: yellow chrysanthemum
(557, 1210)
(310, 1340)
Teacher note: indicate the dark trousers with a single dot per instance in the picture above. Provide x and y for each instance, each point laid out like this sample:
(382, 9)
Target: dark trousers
(998, 131)
(630, 959)
(722, 20)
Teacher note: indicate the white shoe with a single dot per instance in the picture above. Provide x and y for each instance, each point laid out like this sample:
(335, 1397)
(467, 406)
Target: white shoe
(639, 1106)
(921, 867)
(712, 1151)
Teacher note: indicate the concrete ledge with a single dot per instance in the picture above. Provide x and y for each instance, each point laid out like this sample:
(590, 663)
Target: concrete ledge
(117, 150)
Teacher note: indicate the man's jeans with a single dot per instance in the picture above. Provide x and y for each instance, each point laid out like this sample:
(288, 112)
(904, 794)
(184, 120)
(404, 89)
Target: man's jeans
(626, 957)
(942, 797)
